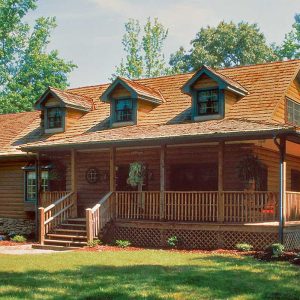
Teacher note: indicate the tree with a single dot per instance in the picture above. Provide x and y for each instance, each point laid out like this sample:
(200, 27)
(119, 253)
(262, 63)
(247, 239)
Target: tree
(290, 48)
(26, 68)
(144, 54)
(226, 45)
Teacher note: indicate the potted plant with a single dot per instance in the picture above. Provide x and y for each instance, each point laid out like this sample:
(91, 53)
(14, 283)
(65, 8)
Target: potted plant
(250, 171)
(136, 178)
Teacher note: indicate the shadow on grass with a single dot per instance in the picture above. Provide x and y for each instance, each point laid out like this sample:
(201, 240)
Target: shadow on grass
(219, 278)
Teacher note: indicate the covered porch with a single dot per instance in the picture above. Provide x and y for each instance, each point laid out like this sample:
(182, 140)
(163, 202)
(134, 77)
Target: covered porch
(178, 203)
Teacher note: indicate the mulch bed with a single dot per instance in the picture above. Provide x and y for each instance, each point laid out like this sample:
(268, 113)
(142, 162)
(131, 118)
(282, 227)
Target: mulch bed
(10, 243)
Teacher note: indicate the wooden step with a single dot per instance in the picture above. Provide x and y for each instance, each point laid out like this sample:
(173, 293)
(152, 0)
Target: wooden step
(73, 225)
(66, 236)
(67, 243)
(71, 231)
(78, 219)
(53, 247)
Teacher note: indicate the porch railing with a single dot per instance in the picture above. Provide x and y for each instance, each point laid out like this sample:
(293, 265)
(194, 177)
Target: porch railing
(250, 207)
(98, 216)
(237, 207)
(48, 198)
(56, 213)
(292, 206)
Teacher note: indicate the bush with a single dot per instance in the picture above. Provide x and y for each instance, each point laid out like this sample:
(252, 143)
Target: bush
(94, 243)
(276, 250)
(19, 239)
(173, 241)
(123, 243)
(244, 247)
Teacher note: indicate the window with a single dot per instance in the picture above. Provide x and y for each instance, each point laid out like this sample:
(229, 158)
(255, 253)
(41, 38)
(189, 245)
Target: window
(31, 184)
(295, 180)
(208, 102)
(54, 118)
(293, 112)
(124, 110)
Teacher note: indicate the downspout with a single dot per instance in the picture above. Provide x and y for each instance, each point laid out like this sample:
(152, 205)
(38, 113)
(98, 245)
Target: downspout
(281, 149)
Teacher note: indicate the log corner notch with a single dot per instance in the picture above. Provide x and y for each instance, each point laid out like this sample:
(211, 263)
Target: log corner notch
(162, 182)
(281, 144)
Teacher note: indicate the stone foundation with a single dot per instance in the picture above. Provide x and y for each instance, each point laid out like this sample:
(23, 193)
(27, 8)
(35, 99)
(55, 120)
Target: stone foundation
(18, 226)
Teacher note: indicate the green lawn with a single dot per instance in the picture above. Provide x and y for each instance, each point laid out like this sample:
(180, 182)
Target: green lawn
(149, 274)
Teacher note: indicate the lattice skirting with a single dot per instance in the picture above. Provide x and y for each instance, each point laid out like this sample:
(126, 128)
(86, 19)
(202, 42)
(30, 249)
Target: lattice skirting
(191, 239)
(292, 240)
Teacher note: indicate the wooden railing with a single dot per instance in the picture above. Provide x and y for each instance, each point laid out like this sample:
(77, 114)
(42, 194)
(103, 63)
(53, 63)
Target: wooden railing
(292, 206)
(138, 205)
(98, 216)
(250, 207)
(48, 198)
(56, 213)
(191, 206)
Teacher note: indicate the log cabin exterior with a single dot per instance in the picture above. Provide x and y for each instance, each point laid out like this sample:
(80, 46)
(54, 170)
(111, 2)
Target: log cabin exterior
(191, 132)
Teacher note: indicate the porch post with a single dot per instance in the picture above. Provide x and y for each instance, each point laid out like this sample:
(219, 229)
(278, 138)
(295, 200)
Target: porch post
(220, 182)
(282, 194)
(74, 179)
(112, 179)
(162, 182)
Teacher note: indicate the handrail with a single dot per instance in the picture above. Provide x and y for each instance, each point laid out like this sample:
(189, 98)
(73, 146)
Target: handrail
(56, 213)
(99, 215)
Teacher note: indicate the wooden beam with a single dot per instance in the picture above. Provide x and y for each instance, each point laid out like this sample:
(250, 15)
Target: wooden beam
(221, 182)
(282, 193)
(162, 181)
(74, 179)
(112, 169)
(89, 225)
(42, 225)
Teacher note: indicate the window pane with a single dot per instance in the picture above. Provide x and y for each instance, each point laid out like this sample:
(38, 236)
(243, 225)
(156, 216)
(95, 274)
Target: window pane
(293, 112)
(31, 186)
(45, 181)
(208, 102)
(124, 110)
(54, 116)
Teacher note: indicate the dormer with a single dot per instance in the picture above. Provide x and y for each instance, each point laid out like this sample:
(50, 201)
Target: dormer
(129, 101)
(212, 94)
(60, 109)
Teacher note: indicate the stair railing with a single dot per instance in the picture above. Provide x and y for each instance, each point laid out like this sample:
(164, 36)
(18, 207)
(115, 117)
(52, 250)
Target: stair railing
(55, 214)
(98, 216)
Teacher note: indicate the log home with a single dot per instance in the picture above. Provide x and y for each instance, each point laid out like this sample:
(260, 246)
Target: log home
(219, 149)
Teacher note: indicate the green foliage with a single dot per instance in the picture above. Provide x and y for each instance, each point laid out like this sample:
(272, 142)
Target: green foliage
(226, 45)
(144, 54)
(26, 68)
(123, 243)
(290, 48)
(173, 241)
(243, 247)
(19, 239)
(251, 168)
(276, 250)
(94, 243)
(137, 173)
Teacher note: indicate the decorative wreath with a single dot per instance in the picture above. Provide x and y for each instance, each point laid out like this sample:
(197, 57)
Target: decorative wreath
(92, 175)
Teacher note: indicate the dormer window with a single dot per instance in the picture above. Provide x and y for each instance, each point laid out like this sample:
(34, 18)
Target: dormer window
(208, 102)
(124, 110)
(54, 118)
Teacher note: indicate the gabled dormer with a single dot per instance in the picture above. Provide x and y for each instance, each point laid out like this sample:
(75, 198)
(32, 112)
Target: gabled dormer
(61, 108)
(129, 100)
(212, 94)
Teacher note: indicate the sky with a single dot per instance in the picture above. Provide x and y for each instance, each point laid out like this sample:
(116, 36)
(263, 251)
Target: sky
(89, 32)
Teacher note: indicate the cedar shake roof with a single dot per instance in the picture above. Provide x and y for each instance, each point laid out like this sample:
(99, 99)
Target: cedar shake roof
(266, 85)
(70, 99)
(14, 126)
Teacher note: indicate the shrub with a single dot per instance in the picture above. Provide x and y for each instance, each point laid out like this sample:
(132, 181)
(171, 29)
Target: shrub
(244, 247)
(172, 241)
(94, 243)
(276, 250)
(19, 239)
(123, 243)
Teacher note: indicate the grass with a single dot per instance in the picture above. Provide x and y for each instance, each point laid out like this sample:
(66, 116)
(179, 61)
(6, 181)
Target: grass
(148, 274)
